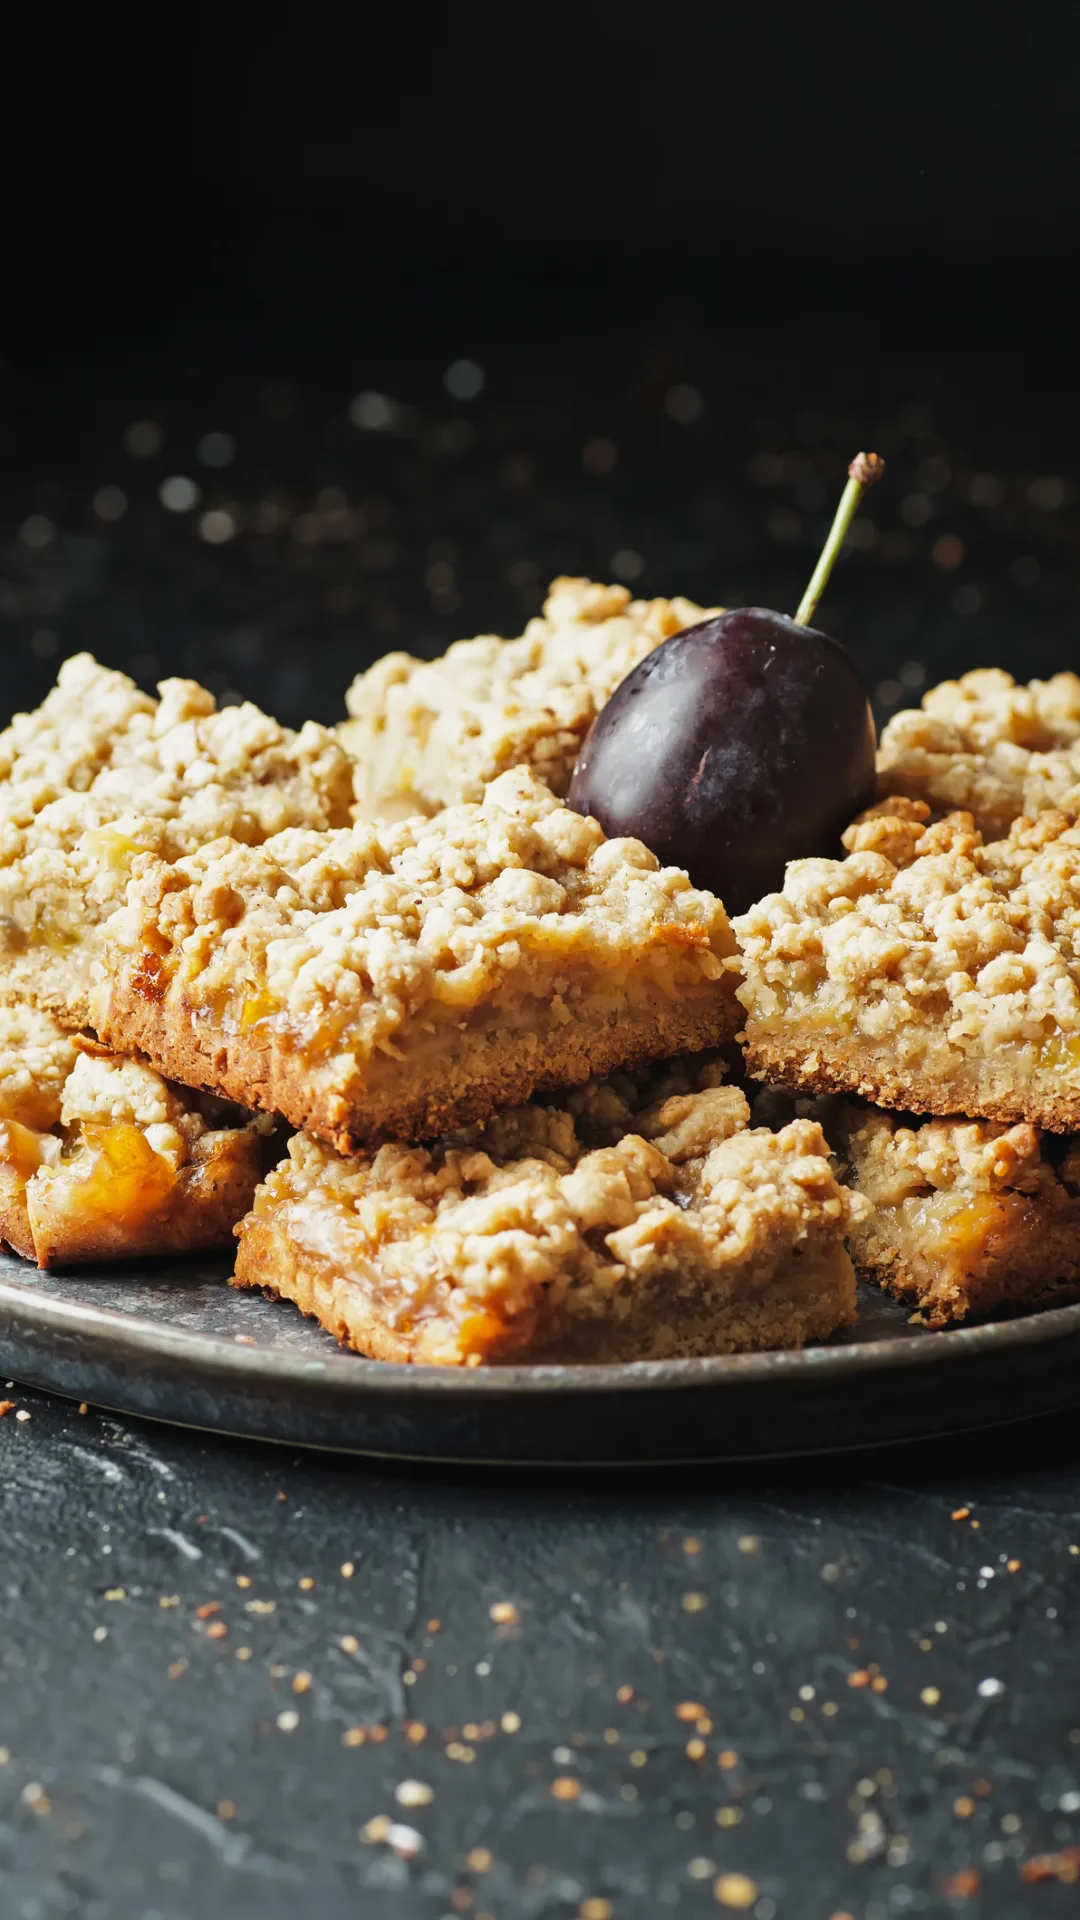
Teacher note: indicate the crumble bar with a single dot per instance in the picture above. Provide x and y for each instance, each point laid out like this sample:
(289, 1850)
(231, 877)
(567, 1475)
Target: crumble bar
(404, 979)
(631, 1219)
(428, 734)
(927, 971)
(962, 1217)
(967, 1216)
(101, 1158)
(989, 747)
(100, 773)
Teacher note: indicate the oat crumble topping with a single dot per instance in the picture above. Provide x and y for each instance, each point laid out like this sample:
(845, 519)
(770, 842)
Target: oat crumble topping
(428, 734)
(923, 926)
(100, 772)
(36, 1059)
(896, 1159)
(98, 750)
(984, 744)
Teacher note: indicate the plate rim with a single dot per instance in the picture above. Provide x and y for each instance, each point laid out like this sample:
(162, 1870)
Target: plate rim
(339, 1370)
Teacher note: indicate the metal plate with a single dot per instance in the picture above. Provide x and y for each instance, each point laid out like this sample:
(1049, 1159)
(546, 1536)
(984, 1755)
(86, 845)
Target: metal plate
(173, 1341)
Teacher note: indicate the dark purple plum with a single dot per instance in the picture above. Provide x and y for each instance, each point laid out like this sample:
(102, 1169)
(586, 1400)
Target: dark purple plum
(738, 745)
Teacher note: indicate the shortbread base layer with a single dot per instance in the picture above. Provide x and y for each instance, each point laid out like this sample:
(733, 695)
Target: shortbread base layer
(810, 1296)
(989, 1088)
(994, 1251)
(475, 1071)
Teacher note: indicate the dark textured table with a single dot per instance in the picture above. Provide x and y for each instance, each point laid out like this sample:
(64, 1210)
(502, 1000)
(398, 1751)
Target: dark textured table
(237, 1683)
(240, 1683)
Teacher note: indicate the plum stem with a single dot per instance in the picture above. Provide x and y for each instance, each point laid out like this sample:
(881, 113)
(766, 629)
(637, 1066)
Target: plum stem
(864, 471)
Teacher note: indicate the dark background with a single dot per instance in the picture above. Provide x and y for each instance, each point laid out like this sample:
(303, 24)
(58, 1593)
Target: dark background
(701, 253)
(334, 182)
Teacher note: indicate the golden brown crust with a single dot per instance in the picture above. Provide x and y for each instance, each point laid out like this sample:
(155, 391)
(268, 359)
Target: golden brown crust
(15, 1230)
(476, 1073)
(838, 1066)
(1018, 1253)
(57, 1219)
(268, 1261)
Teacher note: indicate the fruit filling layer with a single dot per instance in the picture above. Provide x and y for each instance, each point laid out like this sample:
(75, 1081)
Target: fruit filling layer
(967, 1216)
(100, 1156)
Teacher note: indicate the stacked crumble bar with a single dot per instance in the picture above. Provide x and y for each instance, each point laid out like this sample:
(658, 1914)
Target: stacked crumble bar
(937, 970)
(966, 1216)
(963, 1217)
(927, 970)
(101, 774)
(98, 1155)
(397, 981)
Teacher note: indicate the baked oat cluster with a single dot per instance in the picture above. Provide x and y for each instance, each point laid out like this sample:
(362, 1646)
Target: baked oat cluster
(988, 746)
(36, 1058)
(101, 773)
(98, 746)
(927, 970)
(636, 1217)
(426, 734)
(898, 1162)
